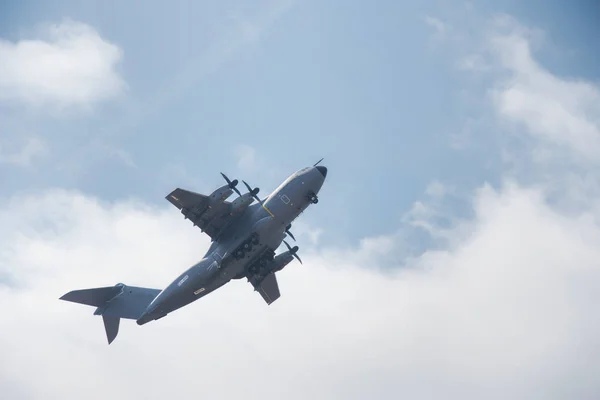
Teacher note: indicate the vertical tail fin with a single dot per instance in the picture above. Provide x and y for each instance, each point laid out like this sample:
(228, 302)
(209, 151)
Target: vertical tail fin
(111, 326)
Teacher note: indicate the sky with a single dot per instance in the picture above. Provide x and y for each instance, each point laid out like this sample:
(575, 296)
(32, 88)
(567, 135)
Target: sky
(453, 253)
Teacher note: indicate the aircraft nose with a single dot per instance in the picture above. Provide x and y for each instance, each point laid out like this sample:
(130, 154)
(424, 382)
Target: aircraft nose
(322, 170)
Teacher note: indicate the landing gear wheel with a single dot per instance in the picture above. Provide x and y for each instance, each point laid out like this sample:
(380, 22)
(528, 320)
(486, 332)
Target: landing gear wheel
(312, 197)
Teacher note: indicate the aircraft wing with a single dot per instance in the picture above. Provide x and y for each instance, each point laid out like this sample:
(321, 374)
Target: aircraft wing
(268, 288)
(195, 207)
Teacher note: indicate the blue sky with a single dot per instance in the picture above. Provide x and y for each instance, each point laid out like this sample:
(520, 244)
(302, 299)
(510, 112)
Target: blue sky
(362, 86)
(461, 142)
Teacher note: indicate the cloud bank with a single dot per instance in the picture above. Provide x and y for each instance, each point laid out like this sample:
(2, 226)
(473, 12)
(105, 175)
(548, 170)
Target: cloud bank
(70, 65)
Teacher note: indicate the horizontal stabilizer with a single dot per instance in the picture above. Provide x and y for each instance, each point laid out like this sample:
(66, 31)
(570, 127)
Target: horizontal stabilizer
(131, 303)
(268, 288)
(92, 297)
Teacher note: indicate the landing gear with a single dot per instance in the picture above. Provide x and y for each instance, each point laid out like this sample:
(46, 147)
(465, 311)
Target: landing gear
(246, 247)
(239, 254)
(259, 266)
(312, 197)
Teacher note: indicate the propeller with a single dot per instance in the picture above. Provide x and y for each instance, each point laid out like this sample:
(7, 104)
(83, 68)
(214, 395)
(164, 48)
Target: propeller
(287, 230)
(317, 163)
(232, 184)
(253, 192)
(293, 251)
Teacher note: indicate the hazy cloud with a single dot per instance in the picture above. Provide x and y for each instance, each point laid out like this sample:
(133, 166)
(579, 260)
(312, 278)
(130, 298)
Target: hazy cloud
(557, 111)
(21, 154)
(246, 157)
(435, 23)
(70, 65)
(565, 112)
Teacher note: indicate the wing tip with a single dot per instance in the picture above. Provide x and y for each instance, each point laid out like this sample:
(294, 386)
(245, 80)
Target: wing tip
(67, 296)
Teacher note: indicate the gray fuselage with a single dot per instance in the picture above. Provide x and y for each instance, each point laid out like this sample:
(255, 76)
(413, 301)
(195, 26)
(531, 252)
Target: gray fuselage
(251, 239)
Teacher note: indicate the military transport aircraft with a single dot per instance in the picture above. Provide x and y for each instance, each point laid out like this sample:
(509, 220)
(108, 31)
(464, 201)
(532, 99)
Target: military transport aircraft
(244, 239)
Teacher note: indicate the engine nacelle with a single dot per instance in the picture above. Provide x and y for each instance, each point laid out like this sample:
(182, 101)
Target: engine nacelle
(221, 194)
(240, 204)
(280, 261)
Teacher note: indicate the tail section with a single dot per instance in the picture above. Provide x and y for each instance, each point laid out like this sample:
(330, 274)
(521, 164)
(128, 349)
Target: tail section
(114, 303)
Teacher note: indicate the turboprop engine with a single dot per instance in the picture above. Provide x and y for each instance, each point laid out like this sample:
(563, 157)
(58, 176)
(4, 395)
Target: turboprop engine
(220, 194)
(280, 261)
(240, 204)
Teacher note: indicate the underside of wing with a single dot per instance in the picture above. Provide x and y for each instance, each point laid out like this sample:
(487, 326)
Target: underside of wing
(182, 198)
(209, 216)
(268, 288)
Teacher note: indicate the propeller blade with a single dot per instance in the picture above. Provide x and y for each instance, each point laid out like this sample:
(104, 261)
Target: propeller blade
(226, 179)
(232, 184)
(287, 230)
(253, 192)
(293, 251)
(317, 163)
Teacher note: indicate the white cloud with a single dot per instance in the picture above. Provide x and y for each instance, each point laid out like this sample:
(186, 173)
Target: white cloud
(556, 111)
(509, 310)
(438, 190)
(125, 157)
(438, 25)
(435, 215)
(246, 157)
(71, 65)
(473, 62)
(22, 156)
(546, 127)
